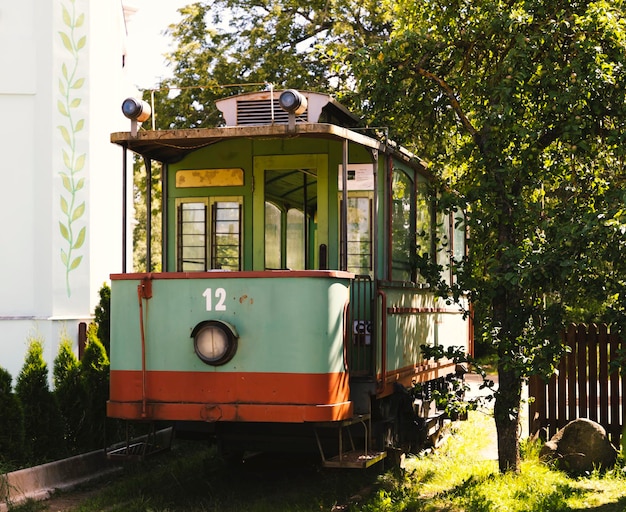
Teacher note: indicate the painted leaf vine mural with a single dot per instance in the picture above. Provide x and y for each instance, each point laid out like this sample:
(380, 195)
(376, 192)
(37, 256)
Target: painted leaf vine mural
(71, 224)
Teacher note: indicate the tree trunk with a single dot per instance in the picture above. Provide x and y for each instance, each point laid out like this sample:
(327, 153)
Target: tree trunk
(507, 418)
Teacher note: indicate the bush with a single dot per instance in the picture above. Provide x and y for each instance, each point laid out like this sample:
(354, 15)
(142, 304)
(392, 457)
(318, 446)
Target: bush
(43, 424)
(11, 423)
(95, 385)
(70, 394)
(103, 317)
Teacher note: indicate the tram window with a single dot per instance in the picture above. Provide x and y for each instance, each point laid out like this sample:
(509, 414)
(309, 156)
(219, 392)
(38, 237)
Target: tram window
(295, 239)
(192, 237)
(195, 241)
(451, 243)
(293, 222)
(423, 220)
(290, 206)
(273, 236)
(226, 230)
(458, 241)
(360, 235)
(444, 245)
(401, 227)
(423, 223)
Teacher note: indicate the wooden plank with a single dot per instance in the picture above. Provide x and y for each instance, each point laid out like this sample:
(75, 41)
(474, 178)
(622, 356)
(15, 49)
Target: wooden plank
(603, 381)
(614, 398)
(581, 367)
(622, 347)
(571, 372)
(534, 423)
(562, 388)
(552, 419)
(592, 354)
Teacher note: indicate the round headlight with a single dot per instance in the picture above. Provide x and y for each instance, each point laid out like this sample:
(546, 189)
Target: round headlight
(214, 342)
(293, 102)
(136, 110)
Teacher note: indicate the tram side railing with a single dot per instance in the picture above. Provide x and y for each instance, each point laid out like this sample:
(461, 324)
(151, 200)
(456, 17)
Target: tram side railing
(362, 327)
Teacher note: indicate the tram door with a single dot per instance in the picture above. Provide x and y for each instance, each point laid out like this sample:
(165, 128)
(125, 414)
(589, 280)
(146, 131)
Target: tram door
(289, 212)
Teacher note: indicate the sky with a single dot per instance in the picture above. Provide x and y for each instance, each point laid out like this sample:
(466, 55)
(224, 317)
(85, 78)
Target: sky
(146, 43)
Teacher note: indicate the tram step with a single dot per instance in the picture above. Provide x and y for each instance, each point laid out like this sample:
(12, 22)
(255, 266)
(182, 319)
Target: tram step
(356, 459)
(142, 447)
(437, 427)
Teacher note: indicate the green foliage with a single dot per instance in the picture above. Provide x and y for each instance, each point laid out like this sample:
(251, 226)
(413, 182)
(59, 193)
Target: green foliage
(43, 425)
(222, 45)
(11, 422)
(523, 105)
(69, 392)
(102, 315)
(95, 386)
(37, 424)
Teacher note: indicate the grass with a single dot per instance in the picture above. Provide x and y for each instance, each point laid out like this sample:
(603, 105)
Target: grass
(454, 478)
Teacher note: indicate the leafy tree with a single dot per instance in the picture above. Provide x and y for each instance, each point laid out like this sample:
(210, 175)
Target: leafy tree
(43, 425)
(523, 104)
(228, 46)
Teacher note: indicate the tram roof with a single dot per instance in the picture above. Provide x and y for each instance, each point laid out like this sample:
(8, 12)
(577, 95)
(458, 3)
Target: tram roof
(170, 146)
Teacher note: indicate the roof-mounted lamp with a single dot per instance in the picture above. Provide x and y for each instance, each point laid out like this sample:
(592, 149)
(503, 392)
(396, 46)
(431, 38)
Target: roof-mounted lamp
(294, 103)
(137, 111)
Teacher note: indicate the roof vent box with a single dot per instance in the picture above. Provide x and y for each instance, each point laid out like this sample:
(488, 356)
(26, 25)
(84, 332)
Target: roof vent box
(263, 108)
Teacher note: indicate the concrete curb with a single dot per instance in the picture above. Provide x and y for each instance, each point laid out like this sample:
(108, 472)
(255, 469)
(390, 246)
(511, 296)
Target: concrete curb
(39, 482)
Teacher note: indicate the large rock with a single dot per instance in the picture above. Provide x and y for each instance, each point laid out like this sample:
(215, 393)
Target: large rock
(580, 447)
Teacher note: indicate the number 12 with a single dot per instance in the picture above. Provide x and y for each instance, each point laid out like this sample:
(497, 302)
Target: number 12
(220, 295)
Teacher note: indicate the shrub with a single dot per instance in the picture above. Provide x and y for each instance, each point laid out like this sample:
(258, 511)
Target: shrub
(43, 424)
(103, 317)
(11, 423)
(69, 392)
(95, 384)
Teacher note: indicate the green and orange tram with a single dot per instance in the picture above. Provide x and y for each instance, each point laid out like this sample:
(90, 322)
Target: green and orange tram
(288, 313)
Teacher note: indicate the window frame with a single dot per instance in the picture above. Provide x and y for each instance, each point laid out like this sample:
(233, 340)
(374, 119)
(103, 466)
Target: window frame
(369, 195)
(209, 203)
(393, 269)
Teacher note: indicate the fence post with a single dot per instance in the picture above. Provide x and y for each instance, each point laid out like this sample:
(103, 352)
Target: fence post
(82, 339)
(614, 426)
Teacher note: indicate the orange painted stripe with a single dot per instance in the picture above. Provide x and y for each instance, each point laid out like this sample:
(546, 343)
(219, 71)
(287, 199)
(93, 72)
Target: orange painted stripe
(229, 388)
(409, 375)
(265, 413)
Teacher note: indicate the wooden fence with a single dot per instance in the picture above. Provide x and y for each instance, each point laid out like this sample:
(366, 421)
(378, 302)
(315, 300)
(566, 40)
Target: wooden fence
(586, 385)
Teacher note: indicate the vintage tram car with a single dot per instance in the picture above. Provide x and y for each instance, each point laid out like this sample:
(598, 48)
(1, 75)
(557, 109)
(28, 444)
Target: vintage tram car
(288, 307)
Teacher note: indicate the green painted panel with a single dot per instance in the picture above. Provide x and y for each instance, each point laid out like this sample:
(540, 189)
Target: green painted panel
(426, 320)
(284, 324)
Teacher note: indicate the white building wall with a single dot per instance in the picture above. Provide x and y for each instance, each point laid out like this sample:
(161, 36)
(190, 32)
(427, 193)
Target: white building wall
(61, 87)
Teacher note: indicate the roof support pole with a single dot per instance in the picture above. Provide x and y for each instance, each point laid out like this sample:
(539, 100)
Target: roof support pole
(374, 221)
(164, 215)
(148, 164)
(124, 205)
(343, 250)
